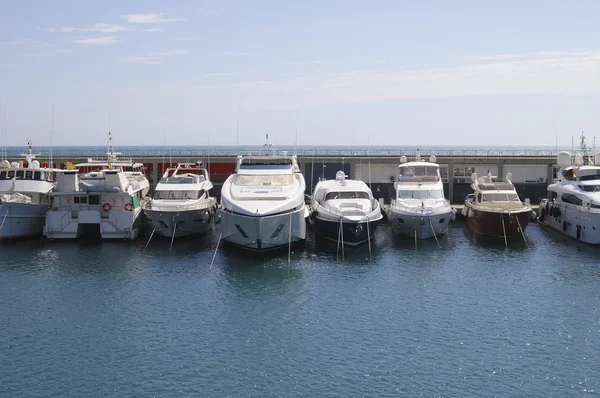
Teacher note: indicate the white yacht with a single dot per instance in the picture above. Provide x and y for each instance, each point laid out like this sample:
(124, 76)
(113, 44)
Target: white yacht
(24, 196)
(344, 211)
(419, 209)
(574, 208)
(106, 199)
(263, 203)
(182, 204)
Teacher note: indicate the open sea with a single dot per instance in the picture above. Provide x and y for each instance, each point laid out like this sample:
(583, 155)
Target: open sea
(469, 319)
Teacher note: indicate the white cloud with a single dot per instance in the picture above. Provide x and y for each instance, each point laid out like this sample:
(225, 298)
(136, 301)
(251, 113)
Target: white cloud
(152, 30)
(98, 27)
(50, 53)
(148, 18)
(184, 38)
(95, 41)
(152, 58)
(564, 73)
(539, 54)
(23, 42)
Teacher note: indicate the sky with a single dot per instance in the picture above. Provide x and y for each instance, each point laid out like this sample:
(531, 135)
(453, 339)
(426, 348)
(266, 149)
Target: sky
(508, 73)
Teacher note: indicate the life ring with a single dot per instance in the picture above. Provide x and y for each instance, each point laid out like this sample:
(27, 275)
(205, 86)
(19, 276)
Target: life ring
(106, 207)
(128, 206)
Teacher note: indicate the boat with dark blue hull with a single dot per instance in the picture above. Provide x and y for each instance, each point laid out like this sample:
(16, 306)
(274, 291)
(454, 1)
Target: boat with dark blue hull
(344, 211)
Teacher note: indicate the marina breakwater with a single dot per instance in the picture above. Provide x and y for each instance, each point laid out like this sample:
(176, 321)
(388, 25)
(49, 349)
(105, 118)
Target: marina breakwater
(530, 173)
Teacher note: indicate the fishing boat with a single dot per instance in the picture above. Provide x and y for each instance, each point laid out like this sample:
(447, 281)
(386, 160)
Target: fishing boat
(24, 188)
(182, 204)
(263, 204)
(344, 211)
(419, 209)
(495, 209)
(574, 207)
(98, 198)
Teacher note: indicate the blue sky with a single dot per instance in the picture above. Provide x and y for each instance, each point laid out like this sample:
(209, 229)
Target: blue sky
(341, 72)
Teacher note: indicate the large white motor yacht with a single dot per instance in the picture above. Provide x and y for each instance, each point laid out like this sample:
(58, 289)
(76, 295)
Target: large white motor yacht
(182, 204)
(420, 209)
(107, 200)
(263, 203)
(24, 196)
(574, 208)
(344, 211)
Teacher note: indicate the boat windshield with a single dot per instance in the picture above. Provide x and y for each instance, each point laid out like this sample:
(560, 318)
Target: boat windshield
(500, 197)
(347, 195)
(278, 180)
(178, 180)
(178, 195)
(414, 171)
(590, 188)
(420, 194)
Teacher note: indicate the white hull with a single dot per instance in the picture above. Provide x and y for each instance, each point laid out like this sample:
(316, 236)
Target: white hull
(71, 224)
(190, 222)
(424, 224)
(263, 232)
(20, 220)
(572, 221)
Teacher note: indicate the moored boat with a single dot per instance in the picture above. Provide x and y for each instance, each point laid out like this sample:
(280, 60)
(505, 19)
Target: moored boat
(344, 211)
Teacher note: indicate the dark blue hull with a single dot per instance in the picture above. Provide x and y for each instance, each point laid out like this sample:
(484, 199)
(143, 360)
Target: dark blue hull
(354, 233)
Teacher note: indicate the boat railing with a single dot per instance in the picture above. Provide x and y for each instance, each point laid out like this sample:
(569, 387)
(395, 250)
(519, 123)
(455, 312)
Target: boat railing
(300, 151)
(204, 205)
(501, 206)
(420, 209)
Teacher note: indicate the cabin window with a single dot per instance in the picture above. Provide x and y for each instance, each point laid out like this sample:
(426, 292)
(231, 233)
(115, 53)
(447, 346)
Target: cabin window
(347, 195)
(179, 180)
(501, 197)
(94, 199)
(418, 171)
(589, 188)
(176, 195)
(420, 194)
(11, 174)
(569, 198)
(83, 199)
(29, 174)
(264, 181)
(37, 175)
(76, 199)
(20, 173)
(2, 175)
(589, 177)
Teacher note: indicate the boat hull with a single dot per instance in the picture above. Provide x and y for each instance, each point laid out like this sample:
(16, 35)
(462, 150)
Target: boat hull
(490, 223)
(71, 224)
(423, 225)
(21, 220)
(353, 233)
(261, 233)
(578, 223)
(184, 223)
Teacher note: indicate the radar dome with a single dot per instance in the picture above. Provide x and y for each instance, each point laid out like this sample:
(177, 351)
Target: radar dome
(432, 159)
(508, 176)
(340, 175)
(578, 159)
(402, 159)
(34, 164)
(564, 159)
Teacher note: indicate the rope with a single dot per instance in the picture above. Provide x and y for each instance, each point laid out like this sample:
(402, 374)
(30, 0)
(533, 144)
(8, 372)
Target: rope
(369, 238)
(2, 225)
(504, 230)
(173, 237)
(290, 241)
(434, 235)
(521, 229)
(342, 232)
(216, 248)
(151, 235)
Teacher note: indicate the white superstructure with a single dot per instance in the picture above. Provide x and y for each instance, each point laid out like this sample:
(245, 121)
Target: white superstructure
(575, 205)
(105, 199)
(419, 209)
(182, 204)
(24, 196)
(263, 203)
(344, 210)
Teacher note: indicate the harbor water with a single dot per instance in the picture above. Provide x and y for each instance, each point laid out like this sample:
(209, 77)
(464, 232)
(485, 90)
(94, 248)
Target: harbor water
(470, 319)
